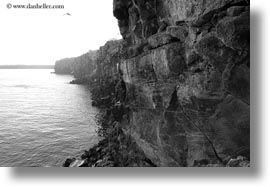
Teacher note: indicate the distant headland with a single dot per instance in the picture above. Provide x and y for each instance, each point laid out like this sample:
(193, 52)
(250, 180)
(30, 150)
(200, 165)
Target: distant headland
(26, 66)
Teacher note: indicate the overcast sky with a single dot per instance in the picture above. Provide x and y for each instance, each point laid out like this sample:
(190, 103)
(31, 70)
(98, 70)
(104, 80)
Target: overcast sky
(43, 36)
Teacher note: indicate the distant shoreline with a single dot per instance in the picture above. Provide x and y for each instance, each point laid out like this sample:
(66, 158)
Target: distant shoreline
(26, 66)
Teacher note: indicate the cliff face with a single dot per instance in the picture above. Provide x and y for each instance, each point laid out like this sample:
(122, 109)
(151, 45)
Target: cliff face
(64, 66)
(186, 68)
(100, 64)
(80, 67)
(108, 56)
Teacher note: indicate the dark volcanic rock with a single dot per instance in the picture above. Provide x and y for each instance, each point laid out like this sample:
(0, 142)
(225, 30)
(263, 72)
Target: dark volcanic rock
(189, 89)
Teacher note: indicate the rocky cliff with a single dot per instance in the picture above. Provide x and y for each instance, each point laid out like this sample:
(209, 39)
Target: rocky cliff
(186, 69)
(81, 66)
(177, 85)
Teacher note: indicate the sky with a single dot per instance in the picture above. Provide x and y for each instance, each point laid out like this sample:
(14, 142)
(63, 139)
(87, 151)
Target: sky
(42, 36)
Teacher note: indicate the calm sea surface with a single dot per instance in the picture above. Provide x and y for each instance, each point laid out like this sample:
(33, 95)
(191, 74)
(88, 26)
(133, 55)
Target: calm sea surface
(43, 118)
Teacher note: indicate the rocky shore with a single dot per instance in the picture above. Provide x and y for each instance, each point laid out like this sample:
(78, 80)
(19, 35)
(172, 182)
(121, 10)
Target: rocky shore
(117, 149)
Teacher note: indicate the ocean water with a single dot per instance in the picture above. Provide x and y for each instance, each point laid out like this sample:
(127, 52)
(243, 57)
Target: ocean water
(43, 118)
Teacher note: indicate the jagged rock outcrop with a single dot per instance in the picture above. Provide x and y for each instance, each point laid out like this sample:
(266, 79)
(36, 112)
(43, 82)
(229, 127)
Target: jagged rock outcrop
(186, 67)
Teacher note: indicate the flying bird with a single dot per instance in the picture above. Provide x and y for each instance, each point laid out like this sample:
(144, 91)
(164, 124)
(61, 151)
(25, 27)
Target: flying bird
(67, 14)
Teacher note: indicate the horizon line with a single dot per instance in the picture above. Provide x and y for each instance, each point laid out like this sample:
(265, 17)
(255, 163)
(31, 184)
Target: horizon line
(27, 66)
